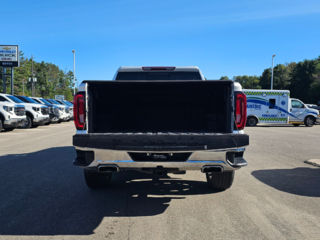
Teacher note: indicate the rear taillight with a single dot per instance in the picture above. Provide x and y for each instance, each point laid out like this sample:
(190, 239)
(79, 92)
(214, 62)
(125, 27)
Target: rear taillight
(79, 112)
(241, 110)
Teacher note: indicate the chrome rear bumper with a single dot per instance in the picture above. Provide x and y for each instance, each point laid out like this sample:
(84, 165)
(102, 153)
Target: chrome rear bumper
(197, 160)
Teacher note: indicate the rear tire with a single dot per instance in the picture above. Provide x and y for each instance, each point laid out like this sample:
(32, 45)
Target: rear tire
(220, 181)
(252, 121)
(309, 121)
(96, 180)
(28, 123)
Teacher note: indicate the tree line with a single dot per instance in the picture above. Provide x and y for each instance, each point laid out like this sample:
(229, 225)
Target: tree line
(51, 80)
(302, 79)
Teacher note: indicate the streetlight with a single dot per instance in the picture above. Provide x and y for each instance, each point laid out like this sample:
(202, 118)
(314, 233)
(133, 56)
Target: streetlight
(272, 72)
(74, 72)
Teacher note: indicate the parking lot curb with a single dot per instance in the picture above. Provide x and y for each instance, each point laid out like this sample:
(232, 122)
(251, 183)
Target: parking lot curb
(314, 162)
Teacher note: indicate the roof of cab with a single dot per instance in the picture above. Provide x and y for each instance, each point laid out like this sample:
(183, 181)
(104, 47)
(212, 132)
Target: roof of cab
(139, 69)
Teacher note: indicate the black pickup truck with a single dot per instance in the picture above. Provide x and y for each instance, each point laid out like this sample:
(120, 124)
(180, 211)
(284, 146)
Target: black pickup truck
(160, 120)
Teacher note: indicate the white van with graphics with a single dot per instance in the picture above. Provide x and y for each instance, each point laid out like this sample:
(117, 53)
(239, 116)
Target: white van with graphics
(276, 106)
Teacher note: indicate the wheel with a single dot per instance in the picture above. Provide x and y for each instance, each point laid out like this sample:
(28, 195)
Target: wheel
(309, 121)
(10, 129)
(252, 121)
(96, 180)
(220, 181)
(28, 123)
(1, 126)
(296, 125)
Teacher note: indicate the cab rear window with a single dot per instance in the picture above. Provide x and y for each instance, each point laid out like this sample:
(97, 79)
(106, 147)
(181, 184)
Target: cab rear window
(158, 76)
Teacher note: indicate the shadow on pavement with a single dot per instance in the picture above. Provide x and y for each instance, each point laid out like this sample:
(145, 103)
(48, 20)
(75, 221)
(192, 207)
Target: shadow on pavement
(42, 193)
(298, 181)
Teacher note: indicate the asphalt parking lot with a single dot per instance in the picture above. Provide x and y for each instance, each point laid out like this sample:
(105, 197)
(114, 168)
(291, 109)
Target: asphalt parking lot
(277, 196)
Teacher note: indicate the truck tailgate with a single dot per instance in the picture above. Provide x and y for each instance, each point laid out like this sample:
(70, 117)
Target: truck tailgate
(152, 107)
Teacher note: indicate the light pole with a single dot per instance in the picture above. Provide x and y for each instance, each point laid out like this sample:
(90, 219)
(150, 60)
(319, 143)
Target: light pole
(74, 72)
(272, 72)
(32, 84)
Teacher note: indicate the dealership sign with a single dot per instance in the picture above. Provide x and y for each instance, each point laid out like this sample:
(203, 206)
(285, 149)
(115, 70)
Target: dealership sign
(9, 56)
(59, 97)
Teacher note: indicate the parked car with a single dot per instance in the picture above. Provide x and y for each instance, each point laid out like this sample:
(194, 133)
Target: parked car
(54, 113)
(70, 105)
(11, 115)
(36, 114)
(64, 110)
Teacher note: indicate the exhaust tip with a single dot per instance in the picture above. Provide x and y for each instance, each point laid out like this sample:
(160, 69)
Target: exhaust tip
(111, 168)
(210, 169)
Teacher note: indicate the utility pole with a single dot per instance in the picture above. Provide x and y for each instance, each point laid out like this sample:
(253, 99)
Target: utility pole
(272, 73)
(74, 72)
(32, 88)
(23, 85)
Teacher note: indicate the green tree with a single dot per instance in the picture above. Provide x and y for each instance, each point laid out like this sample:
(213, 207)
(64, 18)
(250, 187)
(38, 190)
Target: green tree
(265, 79)
(305, 79)
(281, 76)
(248, 82)
(51, 80)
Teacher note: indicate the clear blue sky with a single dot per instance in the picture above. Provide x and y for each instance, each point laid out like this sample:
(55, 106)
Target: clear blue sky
(220, 37)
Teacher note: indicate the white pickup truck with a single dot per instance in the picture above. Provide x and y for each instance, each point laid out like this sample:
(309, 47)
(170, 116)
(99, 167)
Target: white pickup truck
(160, 120)
(64, 110)
(37, 114)
(69, 105)
(11, 115)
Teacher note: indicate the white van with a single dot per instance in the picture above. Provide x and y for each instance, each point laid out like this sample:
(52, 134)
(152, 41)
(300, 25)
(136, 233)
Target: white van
(276, 106)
